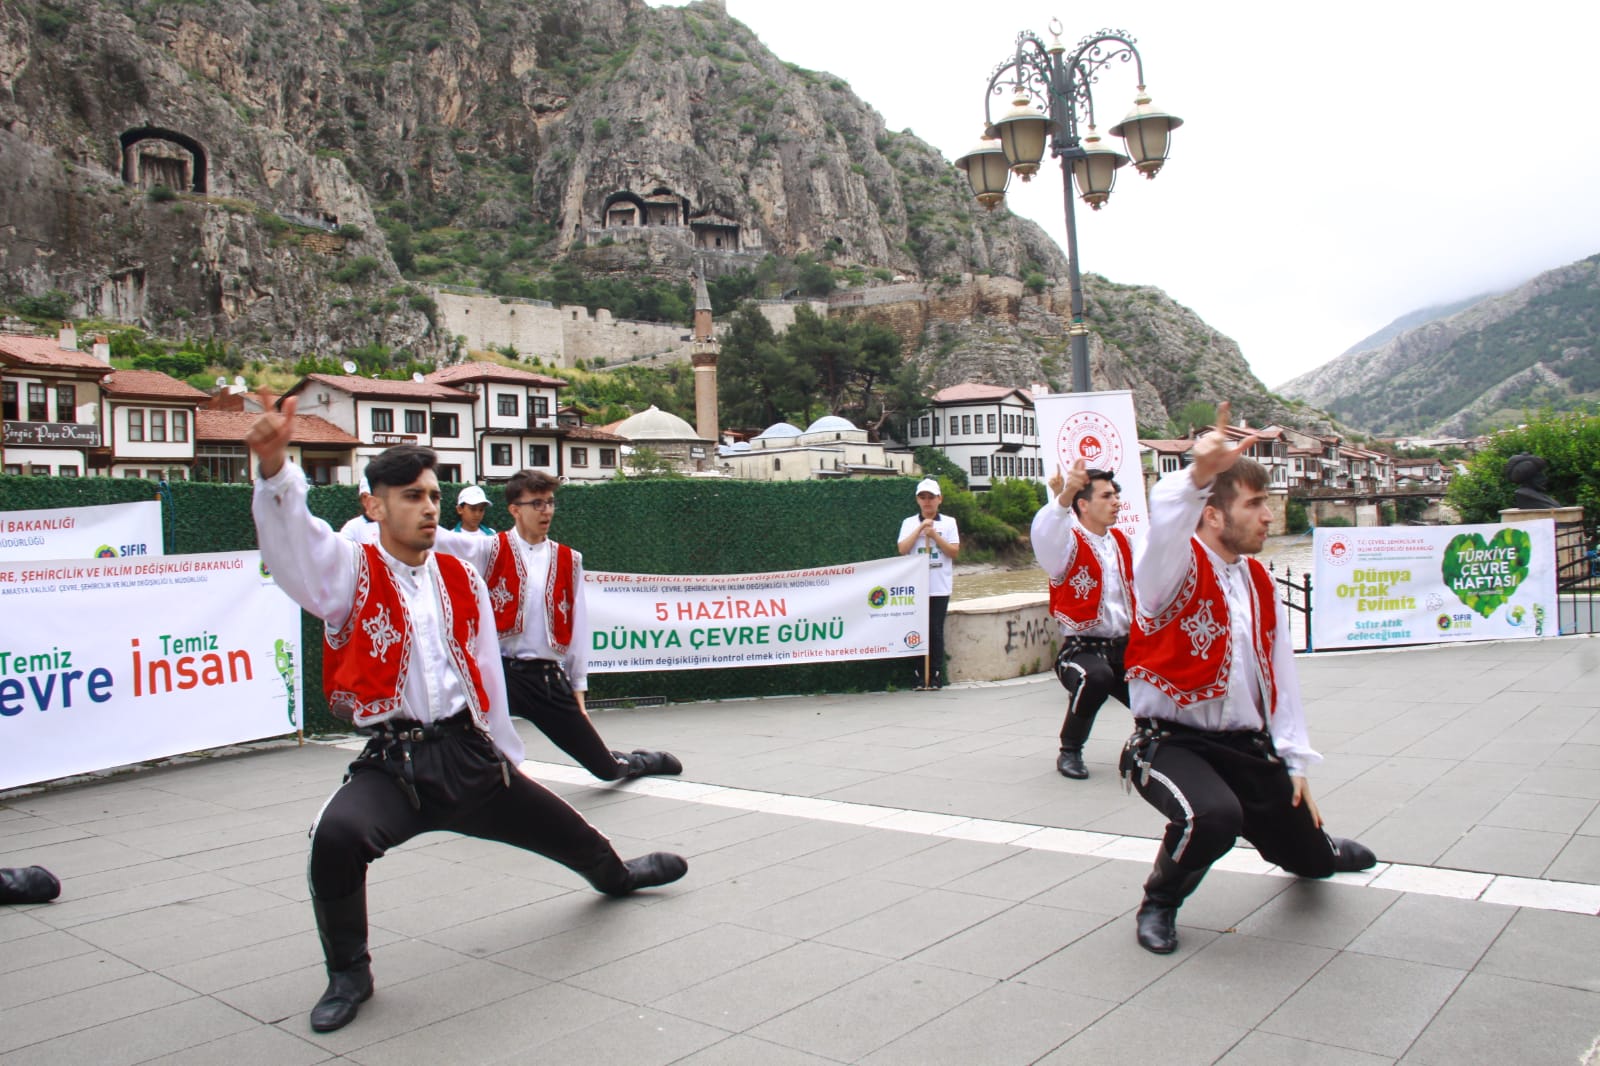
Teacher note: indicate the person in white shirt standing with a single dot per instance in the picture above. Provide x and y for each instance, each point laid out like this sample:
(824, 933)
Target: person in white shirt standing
(1090, 563)
(410, 659)
(935, 535)
(536, 586)
(1220, 745)
(471, 505)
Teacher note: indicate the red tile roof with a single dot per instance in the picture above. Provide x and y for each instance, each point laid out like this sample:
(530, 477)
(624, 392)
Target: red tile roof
(1158, 445)
(17, 350)
(591, 433)
(150, 385)
(971, 390)
(382, 388)
(485, 371)
(232, 426)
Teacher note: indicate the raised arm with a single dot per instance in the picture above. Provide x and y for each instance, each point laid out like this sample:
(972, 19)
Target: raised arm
(1054, 546)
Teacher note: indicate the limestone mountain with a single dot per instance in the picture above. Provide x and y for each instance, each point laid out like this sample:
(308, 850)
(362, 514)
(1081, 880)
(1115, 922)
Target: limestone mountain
(296, 176)
(1533, 347)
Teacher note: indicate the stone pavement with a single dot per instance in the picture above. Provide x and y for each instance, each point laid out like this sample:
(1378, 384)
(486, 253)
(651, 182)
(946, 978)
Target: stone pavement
(884, 878)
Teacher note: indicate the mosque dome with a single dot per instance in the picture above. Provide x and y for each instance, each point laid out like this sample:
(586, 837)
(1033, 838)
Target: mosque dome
(777, 430)
(831, 424)
(655, 424)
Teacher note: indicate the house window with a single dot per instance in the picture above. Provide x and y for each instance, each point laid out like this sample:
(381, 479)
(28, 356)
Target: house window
(158, 426)
(14, 469)
(541, 406)
(1169, 463)
(450, 472)
(382, 420)
(966, 425)
(180, 427)
(8, 405)
(222, 462)
(507, 403)
(66, 404)
(777, 464)
(608, 458)
(922, 430)
(416, 421)
(580, 457)
(980, 466)
(66, 471)
(538, 455)
(500, 454)
(39, 469)
(446, 425)
(991, 423)
(135, 424)
(36, 411)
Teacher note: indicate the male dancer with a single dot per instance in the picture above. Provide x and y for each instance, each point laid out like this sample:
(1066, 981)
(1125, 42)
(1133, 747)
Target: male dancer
(410, 659)
(1090, 564)
(1220, 744)
(536, 586)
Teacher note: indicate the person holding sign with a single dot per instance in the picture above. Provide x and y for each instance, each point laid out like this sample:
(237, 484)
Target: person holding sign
(935, 535)
(410, 659)
(536, 586)
(1220, 744)
(1090, 563)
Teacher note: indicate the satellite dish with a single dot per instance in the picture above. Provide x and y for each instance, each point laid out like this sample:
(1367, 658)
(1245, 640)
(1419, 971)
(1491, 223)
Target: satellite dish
(416, 375)
(221, 381)
(238, 379)
(349, 366)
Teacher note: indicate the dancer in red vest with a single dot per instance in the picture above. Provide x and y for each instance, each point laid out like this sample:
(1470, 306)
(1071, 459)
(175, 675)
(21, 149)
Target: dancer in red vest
(411, 660)
(536, 587)
(1090, 564)
(1220, 744)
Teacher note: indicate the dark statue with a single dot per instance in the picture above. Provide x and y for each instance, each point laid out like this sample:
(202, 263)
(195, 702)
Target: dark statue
(1527, 473)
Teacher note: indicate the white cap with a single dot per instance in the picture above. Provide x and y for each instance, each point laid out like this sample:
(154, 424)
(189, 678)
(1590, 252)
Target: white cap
(928, 484)
(366, 486)
(472, 495)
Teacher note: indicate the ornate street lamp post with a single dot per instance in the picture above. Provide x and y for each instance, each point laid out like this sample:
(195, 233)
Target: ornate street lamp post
(1047, 77)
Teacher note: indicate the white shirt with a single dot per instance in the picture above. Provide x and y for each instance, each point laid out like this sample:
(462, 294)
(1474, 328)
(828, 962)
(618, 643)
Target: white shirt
(317, 568)
(1056, 548)
(534, 640)
(1158, 572)
(941, 573)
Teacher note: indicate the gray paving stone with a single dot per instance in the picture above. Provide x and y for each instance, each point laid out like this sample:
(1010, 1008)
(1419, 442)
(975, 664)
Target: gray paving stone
(286, 996)
(1578, 861)
(1013, 940)
(1126, 1035)
(865, 854)
(748, 995)
(744, 1050)
(1564, 781)
(257, 1046)
(1434, 930)
(656, 972)
(1109, 887)
(19, 922)
(57, 977)
(1025, 873)
(1269, 1049)
(647, 1038)
(1321, 913)
(1108, 963)
(1003, 1024)
(850, 1023)
(731, 897)
(22, 953)
(58, 1016)
(1494, 1020)
(944, 862)
(925, 918)
(1236, 980)
(1522, 852)
(204, 939)
(141, 1037)
(1553, 814)
(1394, 1000)
(1552, 947)
(626, 931)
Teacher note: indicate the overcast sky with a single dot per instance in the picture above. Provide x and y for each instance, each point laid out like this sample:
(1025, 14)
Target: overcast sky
(1339, 166)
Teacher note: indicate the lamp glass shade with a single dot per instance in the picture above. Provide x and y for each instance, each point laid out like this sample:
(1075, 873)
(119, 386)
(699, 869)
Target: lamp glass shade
(1147, 131)
(1022, 132)
(1096, 170)
(987, 172)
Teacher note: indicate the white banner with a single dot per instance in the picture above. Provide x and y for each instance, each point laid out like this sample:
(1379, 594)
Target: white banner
(105, 532)
(870, 610)
(105, 662)
(1100, 429)
(1432, 584)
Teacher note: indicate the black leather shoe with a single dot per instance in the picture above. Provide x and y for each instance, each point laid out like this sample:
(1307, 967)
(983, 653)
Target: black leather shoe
(1070, 764)
(1158, 928)
(28, 884)
(347, 990)
(1351, 856)
(642, 763)
(648, 871)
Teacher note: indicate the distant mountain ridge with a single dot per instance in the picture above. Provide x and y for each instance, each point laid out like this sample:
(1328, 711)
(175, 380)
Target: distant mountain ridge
(1412, 320)
(1536, 346)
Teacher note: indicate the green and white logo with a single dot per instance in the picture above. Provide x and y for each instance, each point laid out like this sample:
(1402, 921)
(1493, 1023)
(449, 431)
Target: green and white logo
(1485, 575)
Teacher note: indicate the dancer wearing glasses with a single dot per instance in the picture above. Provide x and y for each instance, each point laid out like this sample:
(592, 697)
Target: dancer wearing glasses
(536, 587)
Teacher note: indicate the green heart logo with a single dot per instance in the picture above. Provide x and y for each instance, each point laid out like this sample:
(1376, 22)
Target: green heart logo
(1484, 575)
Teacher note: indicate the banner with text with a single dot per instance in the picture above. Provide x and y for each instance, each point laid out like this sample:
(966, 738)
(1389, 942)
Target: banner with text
(870, 610)
(1433, 584)
(107, 531)
(105, 662)
(1100, 429)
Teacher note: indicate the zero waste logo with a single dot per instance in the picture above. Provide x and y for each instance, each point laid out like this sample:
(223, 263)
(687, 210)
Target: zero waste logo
(105, 551)
(878, 596)
(1485, 574)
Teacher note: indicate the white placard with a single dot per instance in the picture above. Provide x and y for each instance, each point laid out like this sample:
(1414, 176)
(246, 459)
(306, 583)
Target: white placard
(108, 531)
(1432, 584)
(1099, 428)
(105, 662)
(869, 610)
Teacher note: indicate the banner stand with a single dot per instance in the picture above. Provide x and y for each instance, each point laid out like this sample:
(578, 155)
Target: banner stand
(927, 668)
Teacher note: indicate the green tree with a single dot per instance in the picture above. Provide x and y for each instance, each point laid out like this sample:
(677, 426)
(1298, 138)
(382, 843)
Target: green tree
(757, 381)
(1570, 443)
(1013, 500)
(935, 463)
(1191, 416)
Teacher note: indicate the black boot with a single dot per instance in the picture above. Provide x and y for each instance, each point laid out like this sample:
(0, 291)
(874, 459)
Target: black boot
(617, 878)
(1164, 892)
(1351, 856)
(1073, 733)
(642, 763)
(342, 925)
(1070, 764)
(28, 884)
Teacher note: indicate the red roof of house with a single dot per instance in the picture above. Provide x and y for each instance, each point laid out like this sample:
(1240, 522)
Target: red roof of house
(383, 388)
(485, 371)
(969, 391)
(1159, 445)
(17, 350)
(150, 385)
(232, 426)
(591, 433)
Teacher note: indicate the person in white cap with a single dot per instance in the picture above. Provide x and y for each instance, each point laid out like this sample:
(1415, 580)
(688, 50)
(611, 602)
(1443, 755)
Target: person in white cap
(361, 529)
(471, 506)
(935, 535)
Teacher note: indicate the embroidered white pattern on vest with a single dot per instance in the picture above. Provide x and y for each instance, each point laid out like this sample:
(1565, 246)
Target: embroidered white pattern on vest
(382, 633)
(1201, 630)
(1083, 582)
(499, 596)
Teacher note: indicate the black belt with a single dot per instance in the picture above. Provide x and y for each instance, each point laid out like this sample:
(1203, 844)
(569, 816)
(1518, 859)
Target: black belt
(525, 665)
(1096, 642)
(413, 730)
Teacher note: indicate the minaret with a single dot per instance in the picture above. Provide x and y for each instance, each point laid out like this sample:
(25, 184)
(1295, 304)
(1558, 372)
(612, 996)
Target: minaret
(704, 356)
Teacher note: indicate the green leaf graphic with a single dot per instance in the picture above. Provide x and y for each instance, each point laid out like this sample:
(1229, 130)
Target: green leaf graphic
(1484, 575)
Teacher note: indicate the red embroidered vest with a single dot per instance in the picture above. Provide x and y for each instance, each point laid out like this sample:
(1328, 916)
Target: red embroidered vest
(508, 590)
(1185, 652)
(1076, 600)
(365, 662)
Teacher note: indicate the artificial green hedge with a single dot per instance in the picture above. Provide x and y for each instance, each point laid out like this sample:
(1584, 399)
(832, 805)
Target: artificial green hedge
(640, 526)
